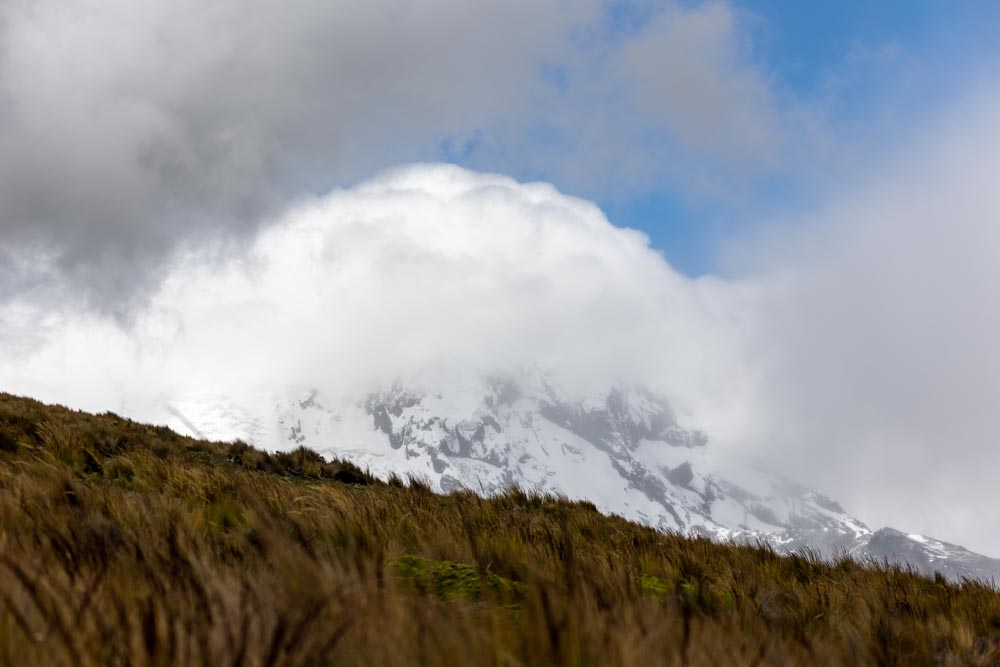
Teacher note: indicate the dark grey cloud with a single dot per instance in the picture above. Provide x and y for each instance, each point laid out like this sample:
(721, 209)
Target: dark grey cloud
(128, 128)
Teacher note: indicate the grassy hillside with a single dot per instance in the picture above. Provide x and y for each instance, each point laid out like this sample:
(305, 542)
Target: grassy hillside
(125, 544)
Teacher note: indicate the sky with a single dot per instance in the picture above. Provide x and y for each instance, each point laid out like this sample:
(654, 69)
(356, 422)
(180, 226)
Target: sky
(784, 214)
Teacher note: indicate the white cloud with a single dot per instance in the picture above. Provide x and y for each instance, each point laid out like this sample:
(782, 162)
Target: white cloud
(422, 266)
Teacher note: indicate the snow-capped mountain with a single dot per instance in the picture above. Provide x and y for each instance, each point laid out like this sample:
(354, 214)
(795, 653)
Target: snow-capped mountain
(621, 448)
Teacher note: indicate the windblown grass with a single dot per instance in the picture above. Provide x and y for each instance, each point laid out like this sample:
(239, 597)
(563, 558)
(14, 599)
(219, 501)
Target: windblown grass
(125, 544)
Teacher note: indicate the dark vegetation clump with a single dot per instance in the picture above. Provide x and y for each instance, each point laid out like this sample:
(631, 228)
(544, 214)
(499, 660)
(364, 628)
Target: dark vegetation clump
(125, 544)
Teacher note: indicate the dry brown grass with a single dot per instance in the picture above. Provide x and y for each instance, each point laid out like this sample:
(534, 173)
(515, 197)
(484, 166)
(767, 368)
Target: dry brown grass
(124, 544)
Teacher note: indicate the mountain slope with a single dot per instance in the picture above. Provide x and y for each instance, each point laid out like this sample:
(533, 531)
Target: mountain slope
(621, 448)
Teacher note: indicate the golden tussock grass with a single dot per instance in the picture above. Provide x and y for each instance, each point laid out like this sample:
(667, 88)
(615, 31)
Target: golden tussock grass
(125, 544)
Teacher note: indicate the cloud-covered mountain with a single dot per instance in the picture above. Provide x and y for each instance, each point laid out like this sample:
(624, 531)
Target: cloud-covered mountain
(845, 381)
(623, 448)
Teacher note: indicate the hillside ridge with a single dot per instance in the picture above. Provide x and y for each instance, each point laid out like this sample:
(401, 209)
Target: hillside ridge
(622, 447)
(194, 552)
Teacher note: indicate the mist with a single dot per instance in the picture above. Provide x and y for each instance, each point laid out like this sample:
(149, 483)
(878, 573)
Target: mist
(879, 331)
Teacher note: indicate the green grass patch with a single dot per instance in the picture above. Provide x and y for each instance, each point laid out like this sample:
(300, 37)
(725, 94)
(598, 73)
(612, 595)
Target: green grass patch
(450, 580)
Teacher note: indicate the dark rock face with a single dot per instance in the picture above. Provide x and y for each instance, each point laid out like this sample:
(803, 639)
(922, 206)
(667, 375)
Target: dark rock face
(682, 475)
(615, 425)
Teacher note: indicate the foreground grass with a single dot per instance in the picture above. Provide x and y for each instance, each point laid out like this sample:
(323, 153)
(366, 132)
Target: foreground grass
(125, 544)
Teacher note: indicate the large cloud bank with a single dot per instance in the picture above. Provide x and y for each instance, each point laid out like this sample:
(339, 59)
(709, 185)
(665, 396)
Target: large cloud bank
(422, 267)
